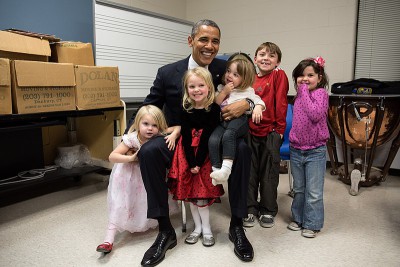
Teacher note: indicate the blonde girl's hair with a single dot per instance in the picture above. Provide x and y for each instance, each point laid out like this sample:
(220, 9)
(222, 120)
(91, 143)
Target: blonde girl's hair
(155, 113)
(245, 69)
(204, 74)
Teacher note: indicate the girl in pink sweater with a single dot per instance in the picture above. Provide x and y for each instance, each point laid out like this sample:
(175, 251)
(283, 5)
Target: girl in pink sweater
(308, 138)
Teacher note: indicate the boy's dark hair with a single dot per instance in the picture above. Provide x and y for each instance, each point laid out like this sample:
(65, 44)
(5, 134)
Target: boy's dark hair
(299, 69)
(272, 48)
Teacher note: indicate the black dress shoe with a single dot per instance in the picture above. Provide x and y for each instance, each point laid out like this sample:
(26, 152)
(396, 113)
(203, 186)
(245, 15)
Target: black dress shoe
(156, 253)
(243, 248)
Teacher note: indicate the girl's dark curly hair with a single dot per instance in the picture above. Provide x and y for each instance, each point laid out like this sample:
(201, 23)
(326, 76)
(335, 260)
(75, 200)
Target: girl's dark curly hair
(298, 71)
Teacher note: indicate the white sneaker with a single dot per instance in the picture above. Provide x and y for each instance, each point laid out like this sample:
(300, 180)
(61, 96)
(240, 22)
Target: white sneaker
(267, 221)
(309, 233)
(294, 226)
(250, 221)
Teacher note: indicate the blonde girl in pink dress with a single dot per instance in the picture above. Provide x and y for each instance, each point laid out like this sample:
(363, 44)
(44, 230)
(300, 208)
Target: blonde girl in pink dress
(127, 198)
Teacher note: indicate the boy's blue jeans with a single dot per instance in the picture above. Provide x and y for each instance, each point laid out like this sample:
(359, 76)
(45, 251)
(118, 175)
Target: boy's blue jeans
(308, 169)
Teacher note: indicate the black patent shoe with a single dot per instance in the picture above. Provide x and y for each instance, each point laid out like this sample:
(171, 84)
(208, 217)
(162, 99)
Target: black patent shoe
(156, 253)
(243, 249)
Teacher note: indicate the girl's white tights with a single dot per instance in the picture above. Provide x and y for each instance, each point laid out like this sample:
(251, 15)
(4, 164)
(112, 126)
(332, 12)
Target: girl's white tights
(196, 218)
(110, 233)
(201, 217)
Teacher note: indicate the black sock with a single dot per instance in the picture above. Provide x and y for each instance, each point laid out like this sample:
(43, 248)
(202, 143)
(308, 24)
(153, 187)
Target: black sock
(236, 221)
(164, 224)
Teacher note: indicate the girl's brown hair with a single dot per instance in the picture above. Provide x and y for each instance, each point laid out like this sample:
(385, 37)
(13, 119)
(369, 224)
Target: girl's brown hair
(320, 70)
(245, 69)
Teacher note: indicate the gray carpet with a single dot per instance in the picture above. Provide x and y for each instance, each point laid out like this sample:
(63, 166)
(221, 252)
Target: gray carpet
(63, 228)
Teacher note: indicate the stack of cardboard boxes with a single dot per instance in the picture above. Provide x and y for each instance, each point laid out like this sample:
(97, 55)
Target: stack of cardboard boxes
(29, 83)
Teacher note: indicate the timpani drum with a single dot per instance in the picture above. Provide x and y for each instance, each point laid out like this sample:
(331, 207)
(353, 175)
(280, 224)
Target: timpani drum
(363, 122)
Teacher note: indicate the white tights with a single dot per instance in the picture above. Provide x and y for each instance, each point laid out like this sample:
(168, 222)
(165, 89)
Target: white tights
(201, 217)
(110, 233)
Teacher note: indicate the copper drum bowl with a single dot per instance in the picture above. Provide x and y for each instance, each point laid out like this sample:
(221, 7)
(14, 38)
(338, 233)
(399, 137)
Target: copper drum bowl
(357, 109)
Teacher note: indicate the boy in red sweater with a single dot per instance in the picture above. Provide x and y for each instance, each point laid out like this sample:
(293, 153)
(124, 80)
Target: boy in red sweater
(265, 138)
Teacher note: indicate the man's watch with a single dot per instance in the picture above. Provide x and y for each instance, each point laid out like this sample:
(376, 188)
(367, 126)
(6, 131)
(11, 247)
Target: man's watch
(251, 106)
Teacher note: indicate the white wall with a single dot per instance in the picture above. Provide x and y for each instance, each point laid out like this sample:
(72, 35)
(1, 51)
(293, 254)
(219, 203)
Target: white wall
(172, 8)
(300, 28)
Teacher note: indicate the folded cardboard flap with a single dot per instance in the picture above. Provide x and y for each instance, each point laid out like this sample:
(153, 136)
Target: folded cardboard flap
(32, 73)
(5, 74)
(77, 53)
(16, 43)
(49, 37)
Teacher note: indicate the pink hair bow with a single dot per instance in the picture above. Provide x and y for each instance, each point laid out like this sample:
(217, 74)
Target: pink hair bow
(320, 61)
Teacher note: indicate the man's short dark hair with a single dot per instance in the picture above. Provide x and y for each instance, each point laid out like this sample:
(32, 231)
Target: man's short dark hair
(204, 22)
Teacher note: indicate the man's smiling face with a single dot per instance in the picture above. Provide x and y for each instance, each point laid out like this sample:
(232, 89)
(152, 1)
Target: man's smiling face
(205, 44)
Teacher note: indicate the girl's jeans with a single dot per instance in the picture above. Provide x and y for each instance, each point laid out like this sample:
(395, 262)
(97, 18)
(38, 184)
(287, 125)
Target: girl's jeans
(308, 170)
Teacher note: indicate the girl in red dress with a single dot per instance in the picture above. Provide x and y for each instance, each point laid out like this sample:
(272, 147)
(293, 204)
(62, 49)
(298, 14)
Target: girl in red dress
(189, 176)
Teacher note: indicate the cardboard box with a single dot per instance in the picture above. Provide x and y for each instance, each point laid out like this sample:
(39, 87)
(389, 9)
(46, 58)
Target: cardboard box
(96, 87)
(42, 87)
(76, 53)
(5, 87)
(17, 46)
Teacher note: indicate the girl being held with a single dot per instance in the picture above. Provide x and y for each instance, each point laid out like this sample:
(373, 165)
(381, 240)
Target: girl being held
(127, 198)
(308, 138)
(238, 79)
(189, 176)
